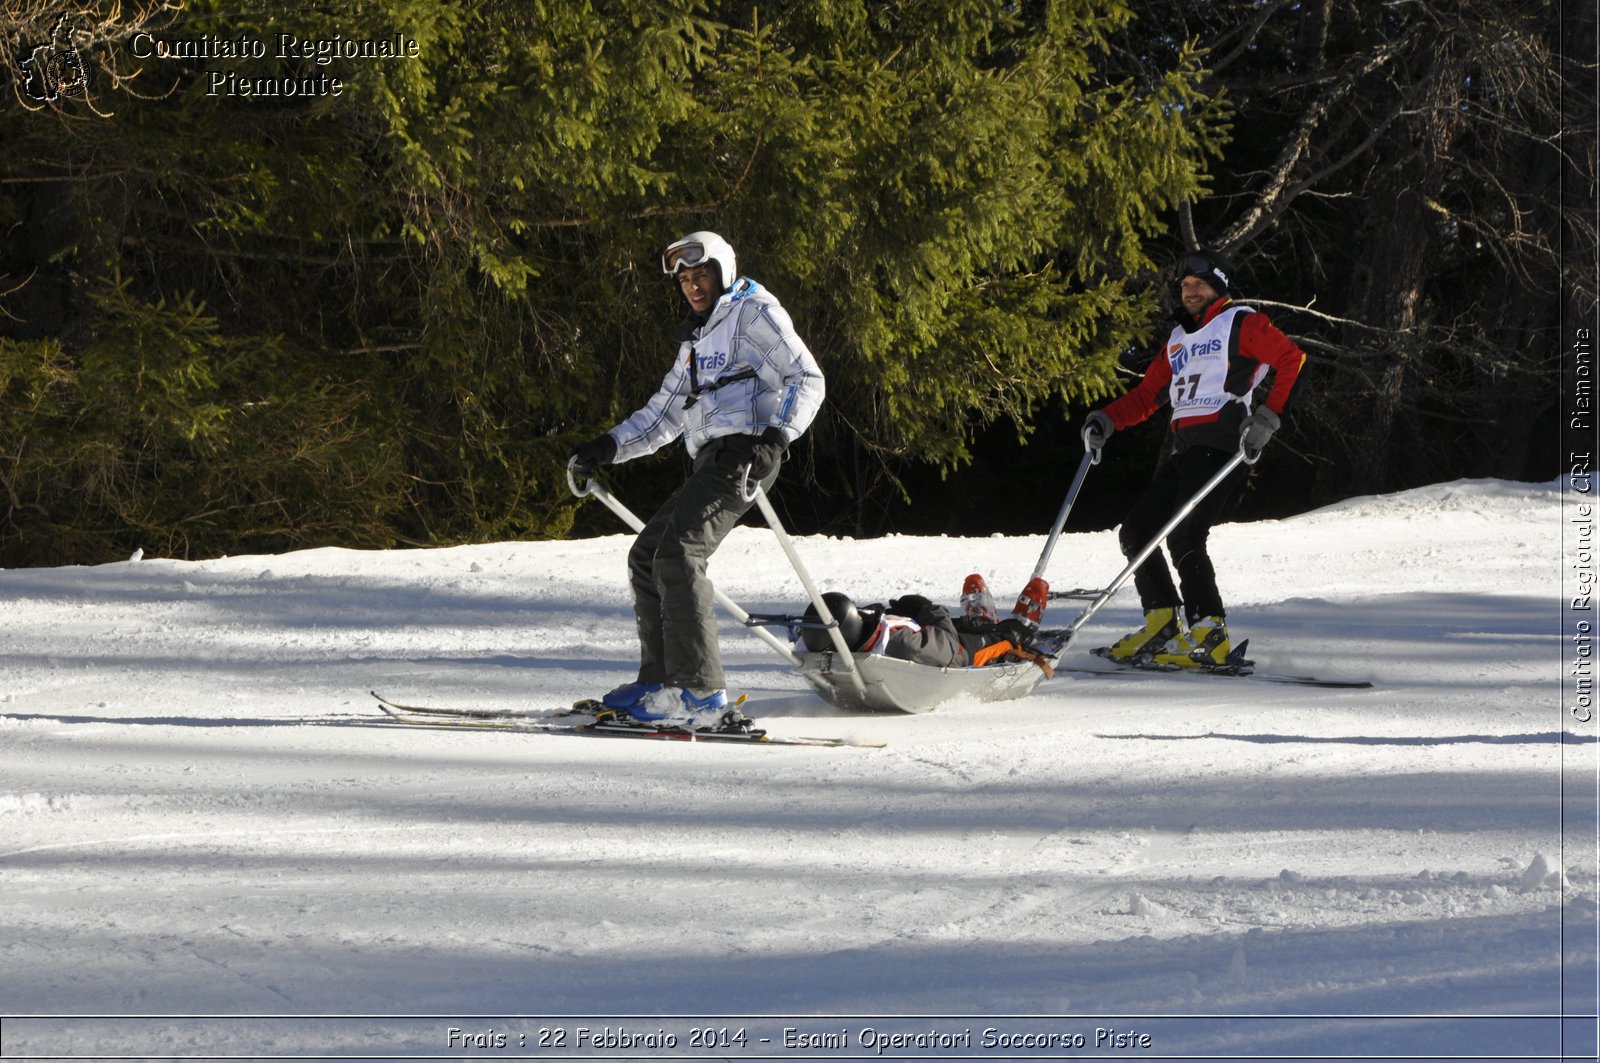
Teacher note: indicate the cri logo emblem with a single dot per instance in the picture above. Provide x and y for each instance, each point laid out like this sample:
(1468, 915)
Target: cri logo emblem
(56, 69)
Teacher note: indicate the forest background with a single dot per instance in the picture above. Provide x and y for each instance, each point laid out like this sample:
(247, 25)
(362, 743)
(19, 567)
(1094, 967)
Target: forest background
(385, 316)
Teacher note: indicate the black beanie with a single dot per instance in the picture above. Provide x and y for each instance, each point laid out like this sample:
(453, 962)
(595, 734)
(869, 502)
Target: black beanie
(1213, 267)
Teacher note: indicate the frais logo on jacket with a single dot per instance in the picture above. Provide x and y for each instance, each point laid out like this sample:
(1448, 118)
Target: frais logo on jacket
(1179, 355)
(710, 363)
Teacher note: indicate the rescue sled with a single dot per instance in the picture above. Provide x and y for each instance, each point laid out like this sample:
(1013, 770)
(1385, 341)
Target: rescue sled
(860, 682)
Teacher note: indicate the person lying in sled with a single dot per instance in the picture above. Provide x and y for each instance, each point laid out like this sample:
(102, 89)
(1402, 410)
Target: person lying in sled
(912, 628)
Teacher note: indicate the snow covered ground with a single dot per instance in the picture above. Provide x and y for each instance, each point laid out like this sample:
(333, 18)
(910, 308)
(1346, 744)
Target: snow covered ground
(201, 813)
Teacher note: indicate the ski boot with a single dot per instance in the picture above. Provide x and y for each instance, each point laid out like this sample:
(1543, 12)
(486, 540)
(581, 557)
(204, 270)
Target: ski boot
(1031, 602)
(1160, 628)
(1204, 645)
(681, 707)
(976, 602)
(625, 697)
(615, 704)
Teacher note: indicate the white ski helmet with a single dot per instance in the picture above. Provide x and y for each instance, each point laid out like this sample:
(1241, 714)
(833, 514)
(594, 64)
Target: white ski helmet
(695, 250)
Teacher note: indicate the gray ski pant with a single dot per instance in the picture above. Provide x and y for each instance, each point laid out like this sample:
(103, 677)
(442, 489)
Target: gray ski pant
(672, 595)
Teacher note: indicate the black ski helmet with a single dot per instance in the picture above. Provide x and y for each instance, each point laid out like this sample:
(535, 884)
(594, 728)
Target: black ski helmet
(851, 626)
(1213, 267)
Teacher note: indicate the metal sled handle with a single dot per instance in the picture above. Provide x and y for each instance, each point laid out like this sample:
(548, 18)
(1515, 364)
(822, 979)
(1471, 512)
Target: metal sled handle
(572, 482)
(1093, 451)
(1244, 454)
(593, 488)
(824, 614)
(1091, 456)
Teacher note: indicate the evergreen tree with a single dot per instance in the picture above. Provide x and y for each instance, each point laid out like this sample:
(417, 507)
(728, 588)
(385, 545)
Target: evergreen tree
(384, 314)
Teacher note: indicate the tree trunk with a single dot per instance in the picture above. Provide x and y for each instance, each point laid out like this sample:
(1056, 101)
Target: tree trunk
(1398, 246)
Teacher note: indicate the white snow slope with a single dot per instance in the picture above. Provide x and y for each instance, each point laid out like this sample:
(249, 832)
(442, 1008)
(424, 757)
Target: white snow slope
(202, 814)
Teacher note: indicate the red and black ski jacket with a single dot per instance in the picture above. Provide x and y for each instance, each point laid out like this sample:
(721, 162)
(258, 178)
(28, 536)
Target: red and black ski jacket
(1255, 349)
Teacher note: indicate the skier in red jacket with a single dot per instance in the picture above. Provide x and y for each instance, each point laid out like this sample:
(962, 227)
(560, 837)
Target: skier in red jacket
(1209, 371)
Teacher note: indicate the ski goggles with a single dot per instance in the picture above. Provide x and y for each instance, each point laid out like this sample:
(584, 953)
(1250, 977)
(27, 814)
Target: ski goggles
(679, 257)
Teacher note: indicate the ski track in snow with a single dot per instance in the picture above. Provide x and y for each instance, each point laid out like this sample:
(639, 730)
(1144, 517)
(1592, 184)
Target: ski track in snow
(201, 810)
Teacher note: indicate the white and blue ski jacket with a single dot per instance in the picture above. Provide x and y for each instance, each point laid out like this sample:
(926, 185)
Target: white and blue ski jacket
(744, 371)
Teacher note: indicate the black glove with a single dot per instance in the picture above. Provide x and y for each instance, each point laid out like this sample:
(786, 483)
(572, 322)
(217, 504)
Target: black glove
(911, 606)
(589, 457)
(1014, 630)
(1256, 430)
(1097, 428)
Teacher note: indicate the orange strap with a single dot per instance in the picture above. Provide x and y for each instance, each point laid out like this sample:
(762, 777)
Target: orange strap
(992, 652)
(1005, 648)
(1037, 658)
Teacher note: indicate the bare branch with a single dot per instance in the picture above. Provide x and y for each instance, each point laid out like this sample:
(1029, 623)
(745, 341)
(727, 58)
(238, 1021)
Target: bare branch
(1279, 192)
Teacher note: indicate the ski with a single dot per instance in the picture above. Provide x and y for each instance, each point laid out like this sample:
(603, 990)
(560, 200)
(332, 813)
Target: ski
(585, 707)
(1240, 669)
(559, 722)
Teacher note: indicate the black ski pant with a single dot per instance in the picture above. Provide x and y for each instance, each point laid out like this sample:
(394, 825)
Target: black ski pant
(673, 600)
(1174, 483)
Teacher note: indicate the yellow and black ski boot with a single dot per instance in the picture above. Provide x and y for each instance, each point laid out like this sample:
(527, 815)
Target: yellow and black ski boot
(1204, 645)
(1160, 627)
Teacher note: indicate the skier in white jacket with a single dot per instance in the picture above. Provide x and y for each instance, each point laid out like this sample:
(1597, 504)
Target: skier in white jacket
(742, 388)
